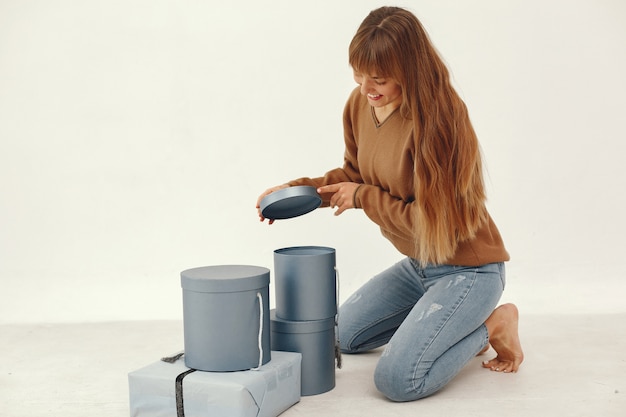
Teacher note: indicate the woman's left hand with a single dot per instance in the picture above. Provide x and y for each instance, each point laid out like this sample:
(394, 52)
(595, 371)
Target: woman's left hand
(343, 195)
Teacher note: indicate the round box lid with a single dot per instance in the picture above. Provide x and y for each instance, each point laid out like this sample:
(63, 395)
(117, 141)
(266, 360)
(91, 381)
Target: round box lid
(291, 326)
(290, 202)
(305, 251)
(225, 278)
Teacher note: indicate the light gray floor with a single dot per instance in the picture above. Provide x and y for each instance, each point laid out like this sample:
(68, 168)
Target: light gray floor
(575, 366)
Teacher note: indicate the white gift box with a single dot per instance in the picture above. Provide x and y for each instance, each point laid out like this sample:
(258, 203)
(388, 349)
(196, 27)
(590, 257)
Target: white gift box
(265, 392)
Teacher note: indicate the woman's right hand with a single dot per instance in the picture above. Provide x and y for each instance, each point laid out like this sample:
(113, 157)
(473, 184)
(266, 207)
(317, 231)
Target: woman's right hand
(265, 193)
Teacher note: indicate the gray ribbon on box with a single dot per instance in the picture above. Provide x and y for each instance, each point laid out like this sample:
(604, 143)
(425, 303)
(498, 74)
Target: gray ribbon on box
(180, 406)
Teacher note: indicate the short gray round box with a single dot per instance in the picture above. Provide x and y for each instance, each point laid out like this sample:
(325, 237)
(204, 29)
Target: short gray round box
(315, 340)
(305, 283)
(225, 309)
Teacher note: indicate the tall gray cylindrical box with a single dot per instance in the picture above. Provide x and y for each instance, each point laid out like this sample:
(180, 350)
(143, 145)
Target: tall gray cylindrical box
(315, 340)
(305, 283)
(225, 308)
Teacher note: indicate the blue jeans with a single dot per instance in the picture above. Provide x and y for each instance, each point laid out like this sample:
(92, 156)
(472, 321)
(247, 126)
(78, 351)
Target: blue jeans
(431, 319)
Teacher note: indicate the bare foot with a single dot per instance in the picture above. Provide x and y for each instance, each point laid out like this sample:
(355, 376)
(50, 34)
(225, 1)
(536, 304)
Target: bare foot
(502, 326)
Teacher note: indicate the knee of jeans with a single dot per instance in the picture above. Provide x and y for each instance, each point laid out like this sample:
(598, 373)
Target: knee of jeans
(395, 384)
(390, 385)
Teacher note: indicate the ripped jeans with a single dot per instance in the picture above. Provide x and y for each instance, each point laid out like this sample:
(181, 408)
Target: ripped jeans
(431, 319)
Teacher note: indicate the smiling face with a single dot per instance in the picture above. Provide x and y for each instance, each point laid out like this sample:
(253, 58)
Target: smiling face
(381, 92)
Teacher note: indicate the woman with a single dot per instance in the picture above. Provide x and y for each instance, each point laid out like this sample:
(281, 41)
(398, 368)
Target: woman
(412, 164)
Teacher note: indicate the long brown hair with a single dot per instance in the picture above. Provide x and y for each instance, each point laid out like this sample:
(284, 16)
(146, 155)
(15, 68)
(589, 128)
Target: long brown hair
(449, 190)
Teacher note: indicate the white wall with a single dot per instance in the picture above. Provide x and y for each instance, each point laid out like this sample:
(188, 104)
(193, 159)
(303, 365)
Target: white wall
(135, 137)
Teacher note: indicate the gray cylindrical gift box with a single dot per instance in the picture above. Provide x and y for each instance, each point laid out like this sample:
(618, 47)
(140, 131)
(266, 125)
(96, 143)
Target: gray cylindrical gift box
(224, 309)
(305, 283)
(315, 340)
